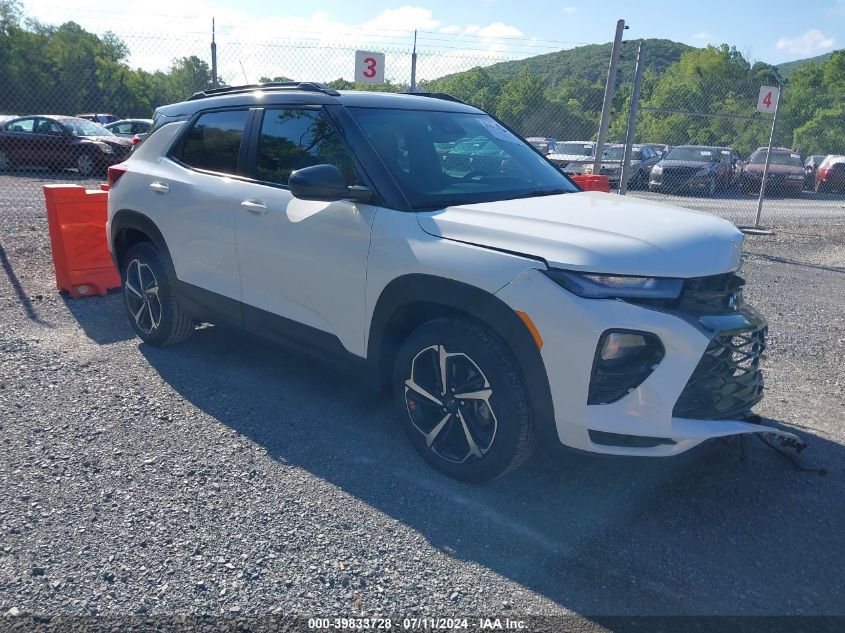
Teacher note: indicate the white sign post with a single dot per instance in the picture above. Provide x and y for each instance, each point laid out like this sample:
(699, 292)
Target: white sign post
(369, 67)
(767, 101)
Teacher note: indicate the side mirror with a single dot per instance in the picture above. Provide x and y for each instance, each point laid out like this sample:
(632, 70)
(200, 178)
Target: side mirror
(325, 183)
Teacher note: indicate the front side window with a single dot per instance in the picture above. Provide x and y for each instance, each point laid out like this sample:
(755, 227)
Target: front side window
(214, 141)
(294, 138)
(485, 163)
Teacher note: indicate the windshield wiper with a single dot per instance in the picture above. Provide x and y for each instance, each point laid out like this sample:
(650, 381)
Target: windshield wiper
(539, 192)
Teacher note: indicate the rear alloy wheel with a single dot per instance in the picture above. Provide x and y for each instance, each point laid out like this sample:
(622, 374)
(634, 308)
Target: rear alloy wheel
(5, 162)
(148, 296)
(85, 165)
(462, 400)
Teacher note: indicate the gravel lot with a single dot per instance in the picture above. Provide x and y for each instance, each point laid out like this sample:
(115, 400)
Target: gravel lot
(227, 476)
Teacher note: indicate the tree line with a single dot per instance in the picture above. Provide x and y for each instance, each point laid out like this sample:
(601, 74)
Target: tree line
(65, 69)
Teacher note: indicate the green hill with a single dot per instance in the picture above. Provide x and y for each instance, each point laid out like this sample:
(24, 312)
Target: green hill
(787, 67)
(590, 62)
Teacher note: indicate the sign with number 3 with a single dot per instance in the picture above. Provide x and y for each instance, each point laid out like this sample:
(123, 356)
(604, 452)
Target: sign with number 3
(369, 67)
(768, 99)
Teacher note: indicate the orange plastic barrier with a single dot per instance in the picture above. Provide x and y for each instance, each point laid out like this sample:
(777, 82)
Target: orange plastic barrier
(590, 182)
(77, 222)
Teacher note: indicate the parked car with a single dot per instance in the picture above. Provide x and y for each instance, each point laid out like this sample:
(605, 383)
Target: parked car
(102, 119)
(571, 157)
(786, 172)
(729, 169)
(811, 165)
(480, 301)
(129, 127)
(545, 144)
(660, 148)
(830, 176)
(58, 142)
(686, 168)
(643, 158)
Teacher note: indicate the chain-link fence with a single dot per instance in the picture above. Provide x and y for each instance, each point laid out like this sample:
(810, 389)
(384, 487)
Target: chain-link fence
(698, 140)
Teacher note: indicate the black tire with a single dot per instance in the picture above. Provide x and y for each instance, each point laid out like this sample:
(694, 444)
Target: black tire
(500, 426)
(86, 165)
(161, 321)
(5, 161)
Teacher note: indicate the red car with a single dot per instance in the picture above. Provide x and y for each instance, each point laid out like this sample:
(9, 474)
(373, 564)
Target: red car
(830, 176)
(58, 142)
(786, 172)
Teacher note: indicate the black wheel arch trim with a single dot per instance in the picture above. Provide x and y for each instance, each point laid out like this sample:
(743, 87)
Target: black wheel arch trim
(128, 219)
(455, 296)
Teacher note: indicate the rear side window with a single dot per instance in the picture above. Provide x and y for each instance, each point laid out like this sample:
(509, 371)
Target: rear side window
(295, 138)
(214, 141)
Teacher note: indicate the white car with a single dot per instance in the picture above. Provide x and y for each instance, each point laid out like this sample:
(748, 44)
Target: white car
(572, 157)
(500, 305)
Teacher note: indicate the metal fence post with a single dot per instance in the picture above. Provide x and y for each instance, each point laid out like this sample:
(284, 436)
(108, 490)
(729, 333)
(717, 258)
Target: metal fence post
(213, 57)
(632, 119)
(414, 65)
(609, 91)
(768, 157)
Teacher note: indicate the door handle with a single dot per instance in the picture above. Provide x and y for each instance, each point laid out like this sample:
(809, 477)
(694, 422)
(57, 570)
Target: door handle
(254, 206)
(159, 187)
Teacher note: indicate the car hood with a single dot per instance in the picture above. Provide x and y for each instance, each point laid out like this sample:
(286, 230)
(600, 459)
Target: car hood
(111, 140)
(683, 163)
(569, 157)
(774, 169)
(596, 232)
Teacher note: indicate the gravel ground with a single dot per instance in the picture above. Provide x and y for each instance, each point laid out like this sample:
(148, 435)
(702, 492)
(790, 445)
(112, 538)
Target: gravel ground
(227, 476)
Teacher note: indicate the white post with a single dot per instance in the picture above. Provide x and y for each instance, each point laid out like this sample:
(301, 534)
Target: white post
(768, 157)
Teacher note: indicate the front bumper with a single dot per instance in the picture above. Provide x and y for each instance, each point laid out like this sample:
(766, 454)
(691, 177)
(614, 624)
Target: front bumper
(646, 421)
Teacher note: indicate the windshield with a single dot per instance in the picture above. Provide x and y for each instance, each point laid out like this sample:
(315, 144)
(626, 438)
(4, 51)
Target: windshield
(693, 154)
(81, 127)
(777, 159)
(579, 149)
(486, 163)
(618, 153)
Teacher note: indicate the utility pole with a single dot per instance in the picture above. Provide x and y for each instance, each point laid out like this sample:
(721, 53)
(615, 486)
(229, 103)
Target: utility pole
(632, 119)
(414, 65)
(609, 91)
(213, 57)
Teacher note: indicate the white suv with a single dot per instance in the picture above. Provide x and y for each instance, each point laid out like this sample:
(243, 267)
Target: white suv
(497, 301)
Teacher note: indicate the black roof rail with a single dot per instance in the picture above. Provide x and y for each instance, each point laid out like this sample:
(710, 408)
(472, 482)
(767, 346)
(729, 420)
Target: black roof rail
(310, 86)
(438, 95)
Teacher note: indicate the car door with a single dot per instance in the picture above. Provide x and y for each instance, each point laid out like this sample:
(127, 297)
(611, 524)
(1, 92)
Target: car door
(302, 263)
(193, 198)
(52, 144)
(19, 141)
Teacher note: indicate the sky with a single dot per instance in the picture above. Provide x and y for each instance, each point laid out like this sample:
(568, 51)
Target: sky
(256, 37)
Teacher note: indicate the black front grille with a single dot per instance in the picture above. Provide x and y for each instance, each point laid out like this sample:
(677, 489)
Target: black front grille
(677, 175)
(727, 381)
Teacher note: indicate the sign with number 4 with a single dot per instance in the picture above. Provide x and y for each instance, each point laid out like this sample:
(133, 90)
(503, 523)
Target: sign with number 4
(768, 99)
(369, 67)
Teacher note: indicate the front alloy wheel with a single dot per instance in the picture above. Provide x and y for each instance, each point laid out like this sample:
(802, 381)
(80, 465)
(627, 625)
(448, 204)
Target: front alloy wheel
(447, 397)
(462, 400)
(85, 165)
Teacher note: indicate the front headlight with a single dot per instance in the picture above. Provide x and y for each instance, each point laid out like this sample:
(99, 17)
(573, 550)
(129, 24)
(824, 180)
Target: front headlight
(106, 149)
(657, 170)
(601, 286)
